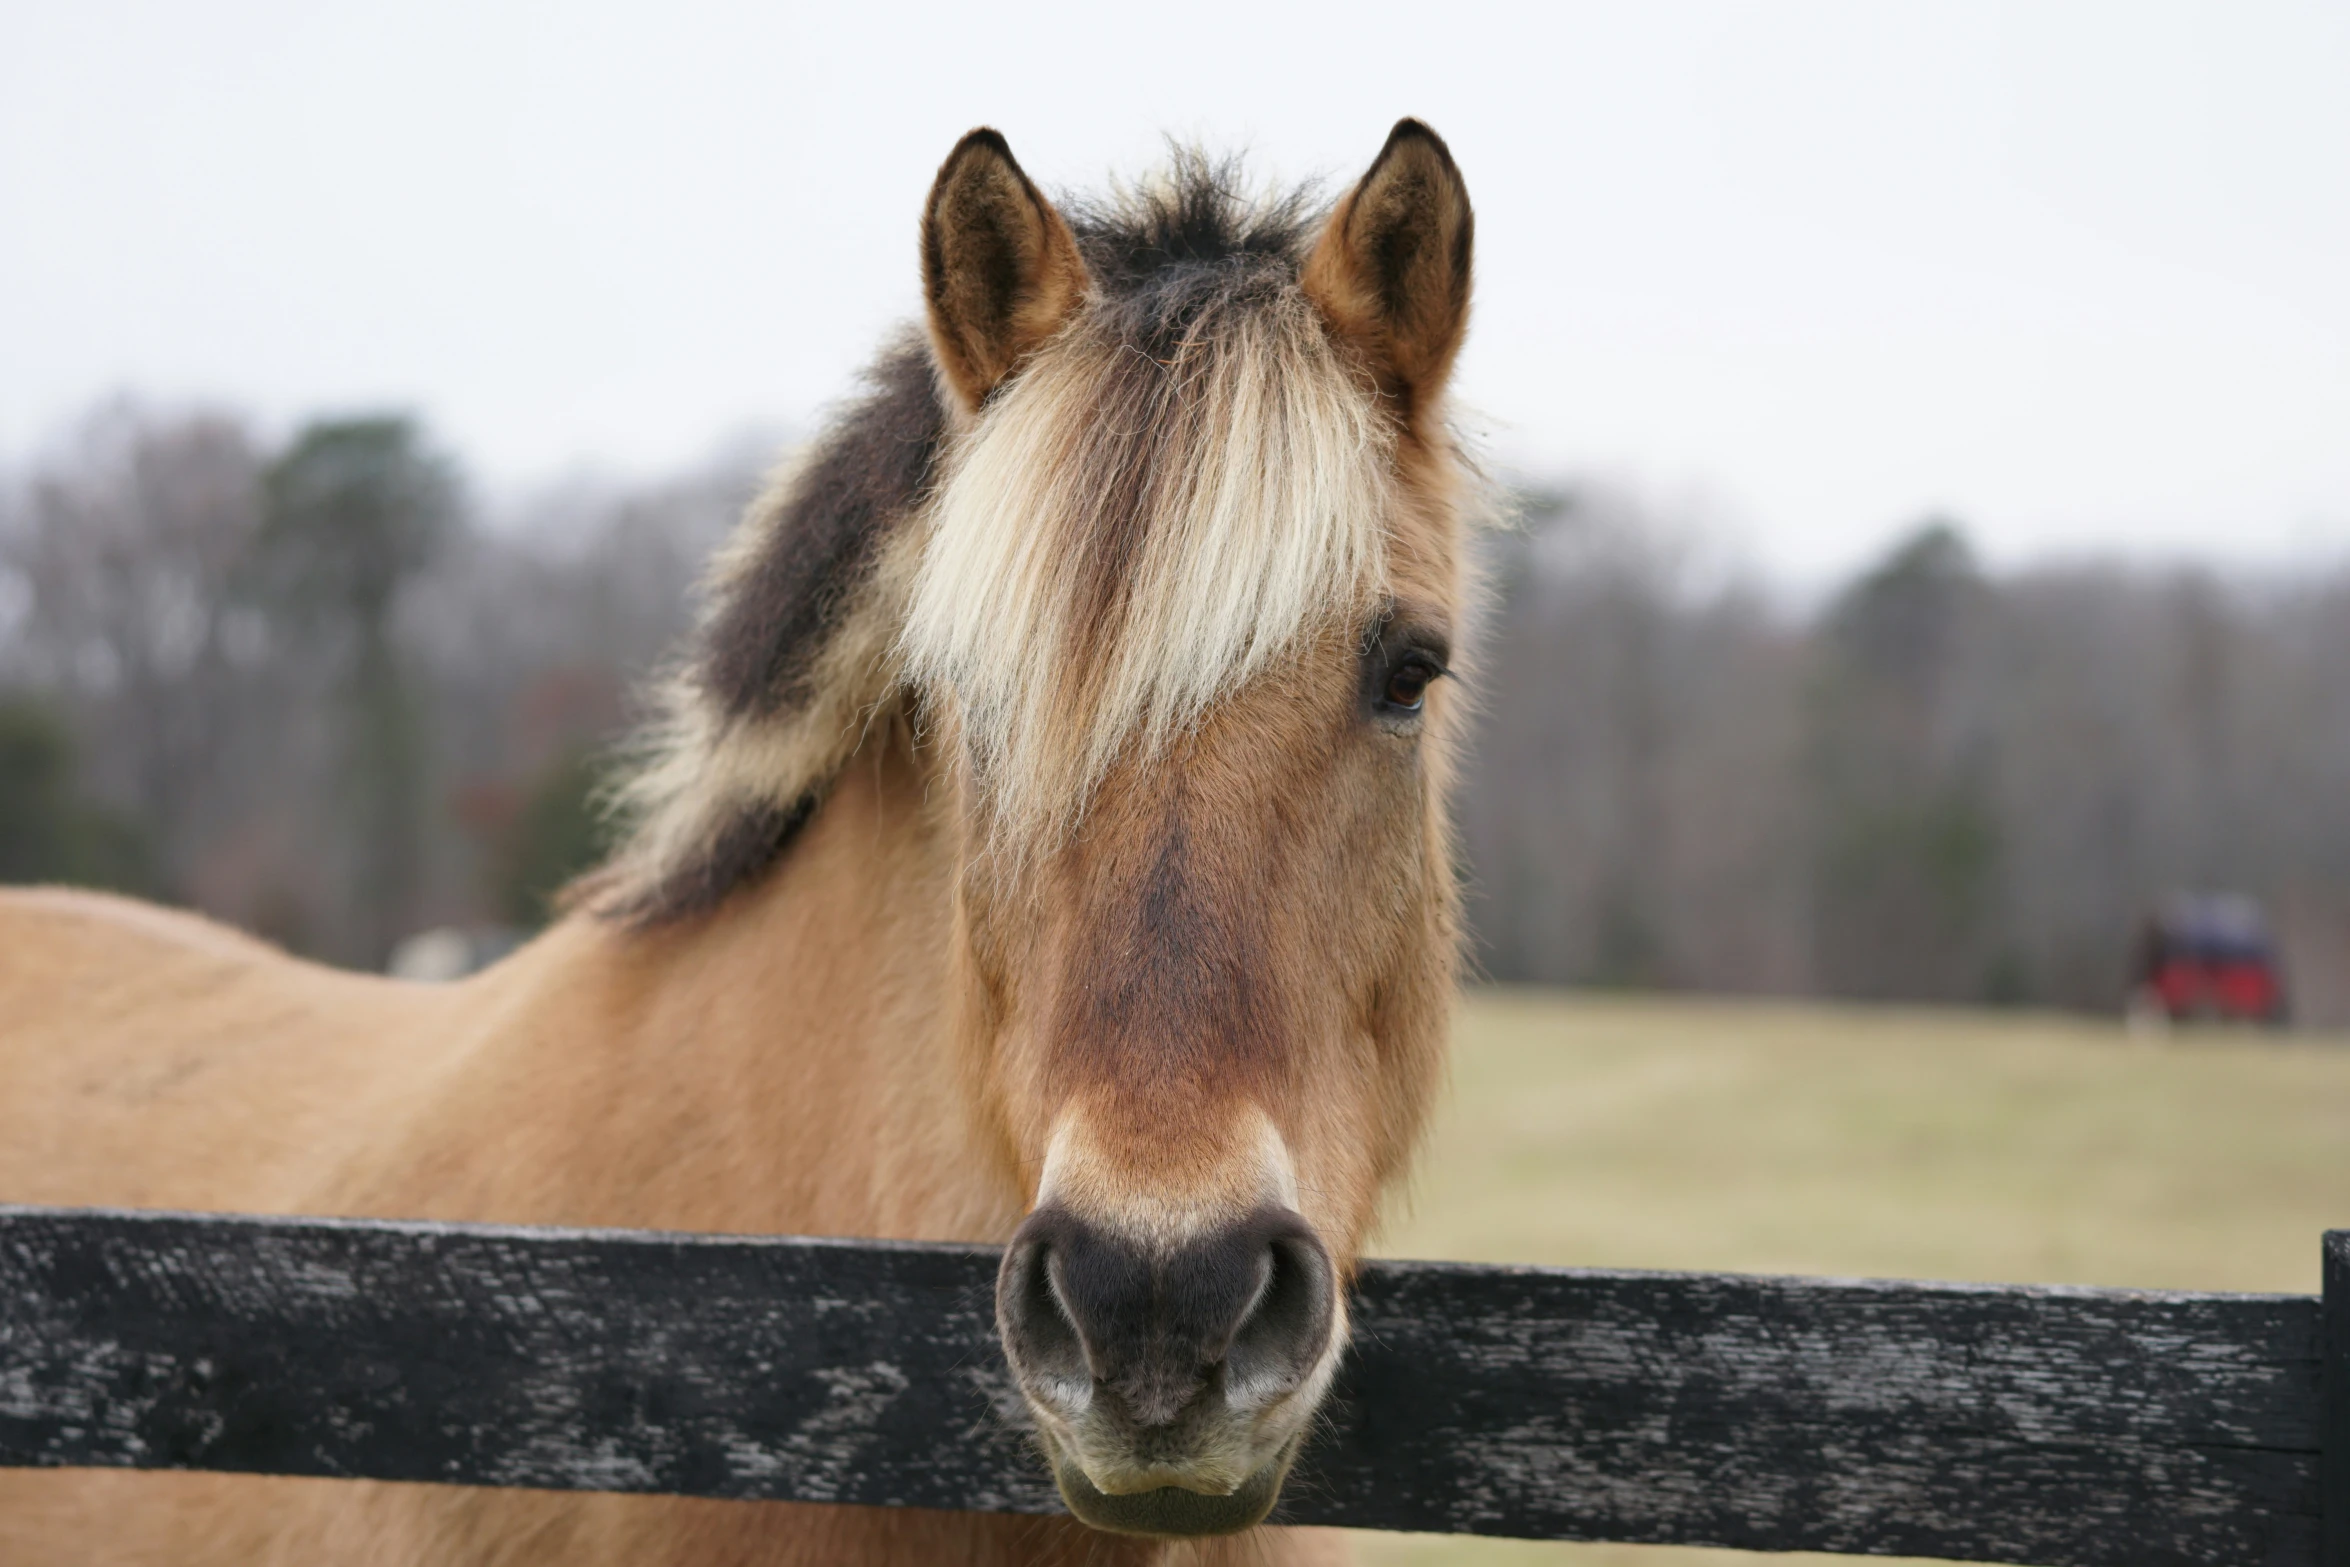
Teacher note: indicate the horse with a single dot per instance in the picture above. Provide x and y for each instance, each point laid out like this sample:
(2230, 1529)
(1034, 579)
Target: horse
(1043, 840)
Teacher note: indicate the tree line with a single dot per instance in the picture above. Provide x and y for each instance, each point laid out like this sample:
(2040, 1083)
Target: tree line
(1943, 784)
(323, 690)
(319, 690)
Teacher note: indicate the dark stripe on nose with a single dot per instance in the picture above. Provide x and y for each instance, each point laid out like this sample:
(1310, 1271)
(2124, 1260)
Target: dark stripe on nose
(1244, 1311)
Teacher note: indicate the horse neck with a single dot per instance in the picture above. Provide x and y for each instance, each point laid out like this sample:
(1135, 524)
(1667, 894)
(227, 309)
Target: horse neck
(784, 1064)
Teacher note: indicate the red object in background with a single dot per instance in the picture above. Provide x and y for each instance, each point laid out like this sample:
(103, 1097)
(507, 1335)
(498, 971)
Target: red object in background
(2244, 989)
(2210, 957)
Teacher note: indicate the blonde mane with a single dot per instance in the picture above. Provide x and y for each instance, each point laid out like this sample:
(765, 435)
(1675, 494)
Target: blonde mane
(1139, 523)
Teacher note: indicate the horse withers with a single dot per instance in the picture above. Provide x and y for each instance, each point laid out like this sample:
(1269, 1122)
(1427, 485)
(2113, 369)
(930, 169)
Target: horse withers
(1045, 843)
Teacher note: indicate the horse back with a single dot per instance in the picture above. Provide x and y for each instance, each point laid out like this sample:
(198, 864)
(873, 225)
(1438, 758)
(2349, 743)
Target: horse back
(151, 1058)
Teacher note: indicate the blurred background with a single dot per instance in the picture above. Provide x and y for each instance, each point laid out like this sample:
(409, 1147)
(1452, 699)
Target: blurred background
(1909, 827)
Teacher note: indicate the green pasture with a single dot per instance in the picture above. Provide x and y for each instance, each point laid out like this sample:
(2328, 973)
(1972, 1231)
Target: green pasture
(1760, 1137)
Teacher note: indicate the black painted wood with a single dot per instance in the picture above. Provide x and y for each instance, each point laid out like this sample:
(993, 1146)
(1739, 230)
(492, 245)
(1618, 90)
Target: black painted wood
(2335, 1469)
(823, 1370)
(2056, 1426)
(2045, 1426)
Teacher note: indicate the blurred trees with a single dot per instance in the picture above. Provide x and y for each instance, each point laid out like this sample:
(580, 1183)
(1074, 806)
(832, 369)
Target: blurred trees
(1942, 786)
(314, 690)
(352, 513)
(558, 832)
(337, 702)
(1905, 844)
(123, 556)
(1632, 808)
(49, 830)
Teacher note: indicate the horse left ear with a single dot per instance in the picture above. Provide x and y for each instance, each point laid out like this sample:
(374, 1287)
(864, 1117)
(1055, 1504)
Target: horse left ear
(1391, 270)
(1000, 268)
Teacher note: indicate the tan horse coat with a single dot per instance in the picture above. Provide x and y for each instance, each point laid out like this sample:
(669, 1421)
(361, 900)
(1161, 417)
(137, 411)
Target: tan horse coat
(1008, 931)
(722, 1078)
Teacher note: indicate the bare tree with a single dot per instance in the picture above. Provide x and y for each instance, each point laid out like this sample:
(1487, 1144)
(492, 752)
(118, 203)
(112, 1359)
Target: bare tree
(1946, 786)
(128, 548)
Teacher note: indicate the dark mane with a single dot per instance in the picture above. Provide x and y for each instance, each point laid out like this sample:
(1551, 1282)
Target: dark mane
(1166, 252)
(759, 639)
(1196, 211)
(801, 563)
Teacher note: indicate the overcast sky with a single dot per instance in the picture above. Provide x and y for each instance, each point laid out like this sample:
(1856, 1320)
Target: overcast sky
(2078, 274)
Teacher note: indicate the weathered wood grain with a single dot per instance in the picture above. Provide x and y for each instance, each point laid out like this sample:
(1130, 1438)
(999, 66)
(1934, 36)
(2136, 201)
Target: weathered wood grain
(813, 1369)
(2029, 1425)
(2026, 1425)
(2335, 1336)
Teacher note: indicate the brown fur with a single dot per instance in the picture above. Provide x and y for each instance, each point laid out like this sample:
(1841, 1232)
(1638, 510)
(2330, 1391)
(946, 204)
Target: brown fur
(999, 266)
(1242, 953)
(1391, 270)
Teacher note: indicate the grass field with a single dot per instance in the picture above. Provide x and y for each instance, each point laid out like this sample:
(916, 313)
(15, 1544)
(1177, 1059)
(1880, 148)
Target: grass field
(1615, 1132)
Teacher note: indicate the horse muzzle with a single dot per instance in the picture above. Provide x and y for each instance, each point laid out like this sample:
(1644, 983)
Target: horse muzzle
(1172, 1381)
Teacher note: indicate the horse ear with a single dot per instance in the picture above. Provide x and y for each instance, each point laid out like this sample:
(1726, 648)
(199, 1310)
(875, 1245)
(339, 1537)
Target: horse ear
(1391, 269)
(1000, 268)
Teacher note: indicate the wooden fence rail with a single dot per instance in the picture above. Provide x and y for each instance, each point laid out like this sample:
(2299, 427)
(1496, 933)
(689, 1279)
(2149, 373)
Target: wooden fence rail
(2067, 1427)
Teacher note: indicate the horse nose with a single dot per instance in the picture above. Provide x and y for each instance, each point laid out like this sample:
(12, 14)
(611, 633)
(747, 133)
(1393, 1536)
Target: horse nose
(1237, 1316)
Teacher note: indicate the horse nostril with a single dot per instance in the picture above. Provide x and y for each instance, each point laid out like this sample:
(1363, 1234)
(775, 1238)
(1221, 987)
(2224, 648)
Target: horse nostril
(1277, 1345)
(1249, 1306)
(1042, 1340)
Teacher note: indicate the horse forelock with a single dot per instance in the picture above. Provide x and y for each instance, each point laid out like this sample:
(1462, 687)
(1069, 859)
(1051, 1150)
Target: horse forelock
(1188, 482)
(1185, 485)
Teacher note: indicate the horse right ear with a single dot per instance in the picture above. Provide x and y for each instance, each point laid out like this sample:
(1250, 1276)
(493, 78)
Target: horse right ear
(1000, 268)
(1391, 269)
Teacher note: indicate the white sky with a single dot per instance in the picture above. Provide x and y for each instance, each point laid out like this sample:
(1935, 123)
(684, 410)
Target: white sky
(2078, 273)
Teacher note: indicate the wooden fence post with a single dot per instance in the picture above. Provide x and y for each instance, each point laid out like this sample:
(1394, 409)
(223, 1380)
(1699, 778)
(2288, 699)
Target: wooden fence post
(2333, 1468)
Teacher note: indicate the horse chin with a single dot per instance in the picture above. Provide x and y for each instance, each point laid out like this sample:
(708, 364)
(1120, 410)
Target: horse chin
(1171, 1512)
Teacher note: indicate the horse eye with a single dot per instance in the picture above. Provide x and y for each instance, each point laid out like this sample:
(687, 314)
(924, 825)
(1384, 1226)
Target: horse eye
(1407, 686)
(1399, 663)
